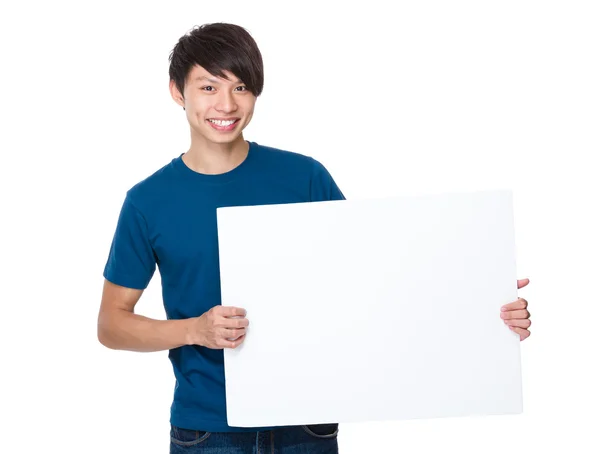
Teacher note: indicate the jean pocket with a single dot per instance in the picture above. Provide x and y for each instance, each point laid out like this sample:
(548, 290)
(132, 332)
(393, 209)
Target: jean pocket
(323, 431)
(187, 437)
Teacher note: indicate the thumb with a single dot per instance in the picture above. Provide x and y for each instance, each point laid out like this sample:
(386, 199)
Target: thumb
(522, 283)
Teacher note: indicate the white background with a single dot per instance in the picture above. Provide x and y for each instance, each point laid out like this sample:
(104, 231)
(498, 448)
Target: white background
(392, 98)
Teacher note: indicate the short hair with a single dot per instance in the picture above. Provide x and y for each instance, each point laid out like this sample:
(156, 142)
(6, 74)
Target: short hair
(218, 47)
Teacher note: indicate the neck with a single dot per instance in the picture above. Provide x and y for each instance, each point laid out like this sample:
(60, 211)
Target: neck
(215, 158)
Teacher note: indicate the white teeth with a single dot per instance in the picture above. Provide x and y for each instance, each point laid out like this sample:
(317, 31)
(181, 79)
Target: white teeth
(222, 123)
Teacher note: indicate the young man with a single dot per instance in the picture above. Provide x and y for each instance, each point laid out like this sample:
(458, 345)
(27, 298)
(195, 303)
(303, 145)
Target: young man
(169, 220)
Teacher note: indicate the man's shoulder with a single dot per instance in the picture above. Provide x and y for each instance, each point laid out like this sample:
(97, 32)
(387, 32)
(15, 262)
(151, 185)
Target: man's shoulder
(284, 156)
(152, 186)
(301, 169)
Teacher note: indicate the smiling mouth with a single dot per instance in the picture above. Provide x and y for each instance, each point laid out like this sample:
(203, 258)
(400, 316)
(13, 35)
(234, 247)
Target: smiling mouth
(223, 122)
(223, 125)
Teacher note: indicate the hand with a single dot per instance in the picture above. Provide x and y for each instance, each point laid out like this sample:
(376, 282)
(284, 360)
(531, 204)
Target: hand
(515, 314)
(220, 327)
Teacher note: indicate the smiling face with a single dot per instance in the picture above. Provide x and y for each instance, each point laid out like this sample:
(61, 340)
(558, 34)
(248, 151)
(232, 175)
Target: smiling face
(217, 109)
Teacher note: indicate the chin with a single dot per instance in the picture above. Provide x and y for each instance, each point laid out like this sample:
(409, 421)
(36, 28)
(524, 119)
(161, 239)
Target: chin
(217, 138)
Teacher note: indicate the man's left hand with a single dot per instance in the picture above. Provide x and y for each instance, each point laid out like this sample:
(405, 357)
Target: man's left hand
(515, 314)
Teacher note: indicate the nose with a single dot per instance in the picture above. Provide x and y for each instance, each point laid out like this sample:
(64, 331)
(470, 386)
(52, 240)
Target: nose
(226, 102)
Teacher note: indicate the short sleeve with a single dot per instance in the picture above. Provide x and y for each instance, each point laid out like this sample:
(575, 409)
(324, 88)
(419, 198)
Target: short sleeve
(131, 260)
(322, 185)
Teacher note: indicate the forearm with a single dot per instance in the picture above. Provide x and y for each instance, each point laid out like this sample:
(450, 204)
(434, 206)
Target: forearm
(124, 330)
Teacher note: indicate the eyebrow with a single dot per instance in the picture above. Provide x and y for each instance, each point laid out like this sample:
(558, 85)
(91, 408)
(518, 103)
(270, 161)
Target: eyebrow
(214, 81)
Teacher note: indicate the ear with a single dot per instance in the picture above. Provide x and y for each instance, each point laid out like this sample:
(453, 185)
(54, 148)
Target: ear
(175, 94)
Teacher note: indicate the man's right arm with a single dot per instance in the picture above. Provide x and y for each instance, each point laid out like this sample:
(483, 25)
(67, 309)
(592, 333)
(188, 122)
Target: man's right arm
(119, 328)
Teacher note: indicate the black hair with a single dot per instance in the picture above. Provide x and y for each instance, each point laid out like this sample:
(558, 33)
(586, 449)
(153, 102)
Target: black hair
(218, 47)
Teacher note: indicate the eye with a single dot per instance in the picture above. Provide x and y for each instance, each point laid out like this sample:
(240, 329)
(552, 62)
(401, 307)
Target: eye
(207, 87)
(241, 88)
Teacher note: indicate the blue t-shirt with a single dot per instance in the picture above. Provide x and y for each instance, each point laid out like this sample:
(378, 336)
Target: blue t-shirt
(170, 220)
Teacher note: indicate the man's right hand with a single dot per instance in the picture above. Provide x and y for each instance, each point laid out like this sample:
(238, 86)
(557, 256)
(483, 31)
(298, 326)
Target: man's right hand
(220, 327)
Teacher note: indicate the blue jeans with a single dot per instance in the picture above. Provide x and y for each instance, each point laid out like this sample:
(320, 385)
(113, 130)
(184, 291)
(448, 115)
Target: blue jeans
(314, 439)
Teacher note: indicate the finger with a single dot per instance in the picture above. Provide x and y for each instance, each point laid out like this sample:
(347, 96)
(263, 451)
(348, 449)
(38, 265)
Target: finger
(508, 315)
(230, 311)
(522, 283)
(519, 323)
(233, 334)
(523, 333)
(233, 323)
(231, 344)
(521, 303)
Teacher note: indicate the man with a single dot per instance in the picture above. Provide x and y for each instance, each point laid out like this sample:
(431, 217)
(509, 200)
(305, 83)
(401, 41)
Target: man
(169, 220)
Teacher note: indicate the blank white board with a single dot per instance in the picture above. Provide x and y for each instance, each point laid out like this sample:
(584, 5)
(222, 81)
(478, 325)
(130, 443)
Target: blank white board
(371, 310)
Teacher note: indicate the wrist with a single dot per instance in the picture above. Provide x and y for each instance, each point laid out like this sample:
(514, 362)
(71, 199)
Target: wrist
(191, 333)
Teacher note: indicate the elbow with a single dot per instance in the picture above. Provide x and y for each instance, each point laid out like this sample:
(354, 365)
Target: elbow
(104, 339)
(104, 333)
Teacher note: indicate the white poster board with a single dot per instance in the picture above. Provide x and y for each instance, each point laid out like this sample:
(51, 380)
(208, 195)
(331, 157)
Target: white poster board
(371, 310)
